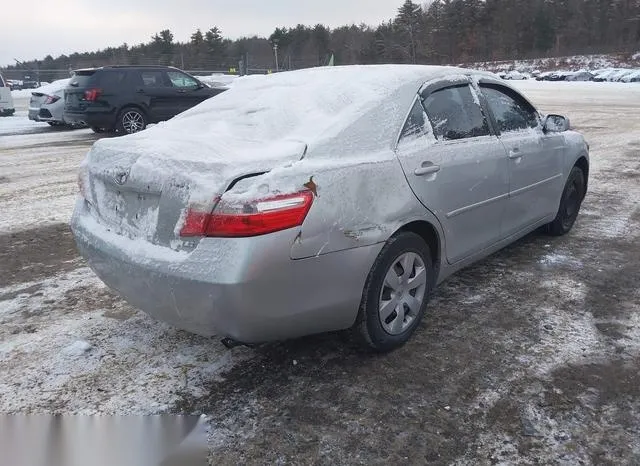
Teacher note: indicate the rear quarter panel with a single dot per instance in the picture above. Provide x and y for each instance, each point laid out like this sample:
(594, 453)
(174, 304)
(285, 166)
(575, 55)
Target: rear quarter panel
(360, 201)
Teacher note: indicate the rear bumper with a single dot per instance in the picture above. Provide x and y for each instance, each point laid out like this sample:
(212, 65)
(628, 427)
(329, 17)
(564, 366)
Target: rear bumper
(37, 114)
(92, 119)
(248, 289)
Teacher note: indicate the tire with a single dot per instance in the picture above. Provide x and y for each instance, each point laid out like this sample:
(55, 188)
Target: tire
(572, 196)
(384, 330)
(131, 120)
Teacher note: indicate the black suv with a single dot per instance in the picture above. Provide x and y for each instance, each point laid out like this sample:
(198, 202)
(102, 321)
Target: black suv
(127, 98)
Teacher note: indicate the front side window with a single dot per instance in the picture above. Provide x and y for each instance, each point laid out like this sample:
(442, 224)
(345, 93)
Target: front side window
(455, 113)
(181, 80)
(152, 78)
(511, 111)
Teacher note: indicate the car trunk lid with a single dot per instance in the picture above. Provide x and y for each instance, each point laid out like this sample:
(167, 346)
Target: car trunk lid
(142, 190)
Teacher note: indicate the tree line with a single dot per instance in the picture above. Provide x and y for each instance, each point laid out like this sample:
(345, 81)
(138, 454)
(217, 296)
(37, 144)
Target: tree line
(436, 32)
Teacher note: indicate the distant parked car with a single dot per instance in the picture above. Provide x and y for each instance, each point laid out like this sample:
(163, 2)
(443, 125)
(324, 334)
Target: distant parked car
(632, 77)
(126, 99)
(47, 104)
(14, 84)
(6, 100)
(581, 75)
(324, 199)
(516, 75)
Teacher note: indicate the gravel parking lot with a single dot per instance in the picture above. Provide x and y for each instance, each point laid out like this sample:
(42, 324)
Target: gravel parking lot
(531, 356)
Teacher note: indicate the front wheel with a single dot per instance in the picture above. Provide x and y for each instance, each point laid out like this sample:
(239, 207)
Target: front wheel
(572, 196)
(131, 120)
(396, 293)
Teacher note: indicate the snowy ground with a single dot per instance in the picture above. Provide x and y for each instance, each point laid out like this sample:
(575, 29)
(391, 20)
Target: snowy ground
(531, 356)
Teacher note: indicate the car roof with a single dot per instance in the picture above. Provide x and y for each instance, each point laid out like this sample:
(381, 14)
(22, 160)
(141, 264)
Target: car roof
(127, 67)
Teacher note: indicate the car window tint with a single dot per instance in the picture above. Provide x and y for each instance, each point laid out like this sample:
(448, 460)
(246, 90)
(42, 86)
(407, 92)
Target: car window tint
(112, 78)
(415, 126)
(152, 78)
(181, 80)
(455, 113)
(511, 111)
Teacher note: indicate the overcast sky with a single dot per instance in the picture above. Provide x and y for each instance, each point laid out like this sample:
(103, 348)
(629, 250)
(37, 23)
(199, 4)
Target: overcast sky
(67, 26)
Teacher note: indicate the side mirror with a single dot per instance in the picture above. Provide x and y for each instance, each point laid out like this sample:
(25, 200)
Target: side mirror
(555, 124)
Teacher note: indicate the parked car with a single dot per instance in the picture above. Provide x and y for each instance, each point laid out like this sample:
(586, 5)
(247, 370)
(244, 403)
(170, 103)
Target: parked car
(14, 84)
(47, 104)
(6, 100)
(324, 199)
(516, 75)
(581, 75)
(127, 98)
(631, 77)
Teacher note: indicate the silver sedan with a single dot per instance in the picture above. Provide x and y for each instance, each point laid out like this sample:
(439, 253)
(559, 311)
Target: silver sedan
(324, 199)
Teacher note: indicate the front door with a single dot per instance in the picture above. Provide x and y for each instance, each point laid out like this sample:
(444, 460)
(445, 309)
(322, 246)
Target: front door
(535, 158)
(156, 92)
(188, 92)
(456, 167)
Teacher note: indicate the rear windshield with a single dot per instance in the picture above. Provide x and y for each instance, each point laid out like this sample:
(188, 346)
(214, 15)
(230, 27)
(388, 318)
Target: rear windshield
(82, 78)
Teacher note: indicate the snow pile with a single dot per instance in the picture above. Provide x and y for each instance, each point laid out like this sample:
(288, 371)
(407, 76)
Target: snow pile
(218, 80)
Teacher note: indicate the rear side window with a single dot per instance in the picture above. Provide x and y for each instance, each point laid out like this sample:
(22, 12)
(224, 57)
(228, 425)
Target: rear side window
(455, 113)
(153, 79)
(82, 78)
(415, 126)
(110, 79)
(510, 110)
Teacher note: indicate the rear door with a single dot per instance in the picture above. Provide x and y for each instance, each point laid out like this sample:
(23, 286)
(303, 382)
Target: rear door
(535, 158)
(456, 166)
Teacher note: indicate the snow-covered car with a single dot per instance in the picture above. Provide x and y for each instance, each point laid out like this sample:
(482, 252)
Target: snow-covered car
(323, 199)
(47, 103)
(606, 74)
(6, 100)
(581, 75)
(631, 77)
(516, 75)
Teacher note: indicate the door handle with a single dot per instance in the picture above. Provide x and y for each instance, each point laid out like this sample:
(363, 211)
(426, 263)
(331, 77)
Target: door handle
(515, 153)
(140, 91)
(427, 168)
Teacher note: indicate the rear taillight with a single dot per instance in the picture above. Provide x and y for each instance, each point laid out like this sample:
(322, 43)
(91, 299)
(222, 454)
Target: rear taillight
(91, 95)
(51, 99)
(231, 219)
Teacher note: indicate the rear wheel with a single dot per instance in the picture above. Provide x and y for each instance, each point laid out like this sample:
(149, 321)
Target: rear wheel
(131, 120)
(572, 196)
(396, 293)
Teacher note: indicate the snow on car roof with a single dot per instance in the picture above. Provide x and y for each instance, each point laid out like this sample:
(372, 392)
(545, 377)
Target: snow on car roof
(310, 105)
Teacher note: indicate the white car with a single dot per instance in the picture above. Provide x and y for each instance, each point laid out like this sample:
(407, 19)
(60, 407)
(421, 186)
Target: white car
(47, 103)
(6, 101)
